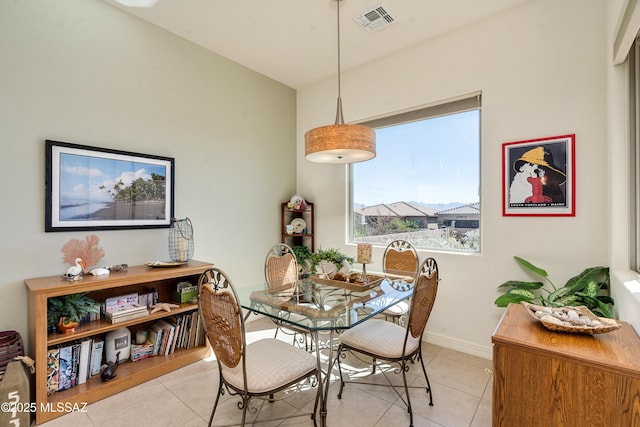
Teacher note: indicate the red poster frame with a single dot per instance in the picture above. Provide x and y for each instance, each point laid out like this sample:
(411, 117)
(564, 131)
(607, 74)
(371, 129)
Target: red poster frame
(538, 177)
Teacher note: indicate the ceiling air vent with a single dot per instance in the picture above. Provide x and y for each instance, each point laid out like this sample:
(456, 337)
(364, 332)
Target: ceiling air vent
(375, 19)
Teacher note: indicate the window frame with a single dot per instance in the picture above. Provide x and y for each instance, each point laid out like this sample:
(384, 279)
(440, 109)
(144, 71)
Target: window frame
(461, 104)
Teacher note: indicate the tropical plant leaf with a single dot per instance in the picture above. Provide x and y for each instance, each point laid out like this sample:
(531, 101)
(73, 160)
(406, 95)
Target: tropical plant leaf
(523, 262)
(559, 293)
(605, 310)
(592, 288)
(598, 307)
(596, 274)
(567, 300)
(605, 299)
(506, 299)
(521, 285)
(523, 292)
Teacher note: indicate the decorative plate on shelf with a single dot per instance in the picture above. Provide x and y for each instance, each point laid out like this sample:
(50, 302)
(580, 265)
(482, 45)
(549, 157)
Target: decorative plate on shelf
(298, 225)
(297, 202)
(165, 264)
(578, 320)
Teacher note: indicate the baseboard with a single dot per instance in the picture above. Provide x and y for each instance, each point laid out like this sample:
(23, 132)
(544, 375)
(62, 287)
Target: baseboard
(459, 345)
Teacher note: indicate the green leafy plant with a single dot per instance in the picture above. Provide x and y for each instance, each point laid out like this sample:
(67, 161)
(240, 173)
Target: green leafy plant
(73, 306)
(332, 255)
(589, 288)
(303, 254)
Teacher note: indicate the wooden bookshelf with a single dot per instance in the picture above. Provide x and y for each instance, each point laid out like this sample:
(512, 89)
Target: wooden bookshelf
(128, 374)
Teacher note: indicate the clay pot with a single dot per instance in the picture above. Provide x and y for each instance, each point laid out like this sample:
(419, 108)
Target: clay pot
(66, 326)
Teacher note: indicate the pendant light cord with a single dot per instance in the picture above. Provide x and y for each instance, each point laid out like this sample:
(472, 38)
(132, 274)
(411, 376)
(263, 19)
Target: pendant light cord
(339, 116)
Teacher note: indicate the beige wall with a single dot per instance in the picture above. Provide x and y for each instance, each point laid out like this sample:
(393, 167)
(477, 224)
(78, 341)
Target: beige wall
(82, 71)
(542, 70)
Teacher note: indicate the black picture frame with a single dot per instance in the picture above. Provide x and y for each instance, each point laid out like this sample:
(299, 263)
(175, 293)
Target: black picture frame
(94, 188)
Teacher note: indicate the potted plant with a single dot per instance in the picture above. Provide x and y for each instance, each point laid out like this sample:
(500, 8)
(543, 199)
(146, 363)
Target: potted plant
(65, 312)
(589, 288)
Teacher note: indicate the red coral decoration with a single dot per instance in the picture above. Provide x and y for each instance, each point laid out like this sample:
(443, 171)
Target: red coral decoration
(86, 249)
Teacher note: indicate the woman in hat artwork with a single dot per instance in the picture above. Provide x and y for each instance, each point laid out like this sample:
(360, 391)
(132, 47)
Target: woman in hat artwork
(537, 180)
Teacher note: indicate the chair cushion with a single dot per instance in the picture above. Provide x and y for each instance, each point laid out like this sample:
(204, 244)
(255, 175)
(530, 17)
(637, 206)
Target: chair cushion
(379, 337)
(399, 309)
(271, 364)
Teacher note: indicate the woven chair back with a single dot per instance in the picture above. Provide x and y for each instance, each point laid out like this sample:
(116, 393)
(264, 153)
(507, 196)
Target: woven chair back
(401, 258)
(424, 296)
(281, 270)
(222, 317)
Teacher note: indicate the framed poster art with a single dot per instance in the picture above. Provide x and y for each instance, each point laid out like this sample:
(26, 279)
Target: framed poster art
(538, 177)
(92, 188)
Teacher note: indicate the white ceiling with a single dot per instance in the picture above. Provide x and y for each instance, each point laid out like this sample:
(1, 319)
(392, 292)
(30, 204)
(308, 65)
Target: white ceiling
(295, 41)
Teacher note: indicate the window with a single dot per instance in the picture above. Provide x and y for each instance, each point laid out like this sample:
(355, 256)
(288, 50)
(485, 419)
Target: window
(424, 183)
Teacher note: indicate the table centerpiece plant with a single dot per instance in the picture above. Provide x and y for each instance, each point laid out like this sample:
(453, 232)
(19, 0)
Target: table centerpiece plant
(303, 256)
(331, 255)
(589, 288)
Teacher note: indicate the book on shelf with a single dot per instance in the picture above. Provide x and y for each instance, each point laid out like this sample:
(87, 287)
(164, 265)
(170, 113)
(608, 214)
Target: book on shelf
(95, 314)
(184, 339)
(176, 322)
(193, 336)
(75, 363)
(85, 357)
(124, 310)
(139, 352)
(129, 316)
(168, 336)
(147, 298)
(65, 359)
(53, 366)
(200, 335)
(114, 303)
(156, 335)
(96, 357)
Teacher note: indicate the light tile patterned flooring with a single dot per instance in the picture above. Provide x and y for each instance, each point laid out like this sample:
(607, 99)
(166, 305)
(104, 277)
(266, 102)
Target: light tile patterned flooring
(461, 386)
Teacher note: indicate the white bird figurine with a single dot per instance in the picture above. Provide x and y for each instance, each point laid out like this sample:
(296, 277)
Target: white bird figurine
(77, 269)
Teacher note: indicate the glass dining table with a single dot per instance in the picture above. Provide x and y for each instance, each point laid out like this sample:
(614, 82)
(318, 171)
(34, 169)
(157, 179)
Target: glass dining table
(322, 306)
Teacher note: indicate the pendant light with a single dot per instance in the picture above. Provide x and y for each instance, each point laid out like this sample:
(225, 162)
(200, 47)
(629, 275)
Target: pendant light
(340, 142)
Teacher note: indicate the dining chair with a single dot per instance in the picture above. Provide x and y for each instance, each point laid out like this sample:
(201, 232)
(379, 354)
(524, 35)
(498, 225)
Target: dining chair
(400, 258)
(281, 275)
(281, 271)
(393, 343)
(258, 370)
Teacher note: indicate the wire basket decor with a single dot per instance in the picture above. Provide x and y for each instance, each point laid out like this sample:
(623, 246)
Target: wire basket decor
(181, 240)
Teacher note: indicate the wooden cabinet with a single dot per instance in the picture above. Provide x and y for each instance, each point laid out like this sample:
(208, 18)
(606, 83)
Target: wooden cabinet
(546, 378)
(134, 279)
(297, 236)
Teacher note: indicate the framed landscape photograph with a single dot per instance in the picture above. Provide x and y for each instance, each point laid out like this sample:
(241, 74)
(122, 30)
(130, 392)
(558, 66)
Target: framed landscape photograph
(91, 188)
(538, 177)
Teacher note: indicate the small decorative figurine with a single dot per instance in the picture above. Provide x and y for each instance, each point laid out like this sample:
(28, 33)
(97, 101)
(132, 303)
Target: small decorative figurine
(163, 306)
(110, 371)
(99, 271)
(76, 270)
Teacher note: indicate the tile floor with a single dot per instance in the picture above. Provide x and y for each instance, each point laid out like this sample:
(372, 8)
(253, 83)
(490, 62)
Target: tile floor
(461, 387)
